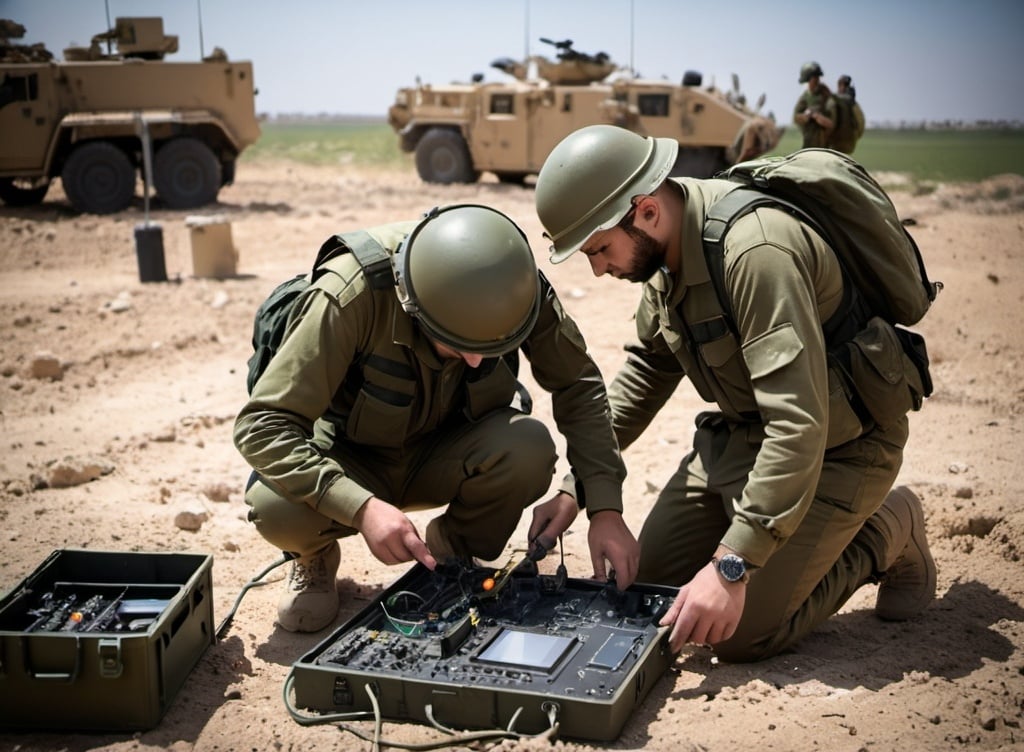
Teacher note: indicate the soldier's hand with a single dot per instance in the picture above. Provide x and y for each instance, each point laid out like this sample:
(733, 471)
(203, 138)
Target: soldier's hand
(550, 519)
(613, 548)
(706, 611)
(390, 535)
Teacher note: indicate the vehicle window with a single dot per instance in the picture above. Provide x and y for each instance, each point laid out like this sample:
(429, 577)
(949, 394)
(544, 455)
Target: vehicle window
(653, 105)
(19, 89)
(502, 104)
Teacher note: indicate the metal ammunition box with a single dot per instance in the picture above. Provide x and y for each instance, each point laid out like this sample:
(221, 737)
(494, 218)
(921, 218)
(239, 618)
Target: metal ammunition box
(102, 641)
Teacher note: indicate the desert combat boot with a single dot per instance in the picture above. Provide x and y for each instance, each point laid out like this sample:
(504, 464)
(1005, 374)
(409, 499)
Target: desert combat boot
(907, 579)
(310, 599)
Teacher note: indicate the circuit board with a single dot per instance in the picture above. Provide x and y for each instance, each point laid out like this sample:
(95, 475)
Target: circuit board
(472, 647)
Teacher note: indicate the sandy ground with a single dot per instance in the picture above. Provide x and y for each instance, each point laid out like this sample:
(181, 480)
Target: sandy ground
(134, 387)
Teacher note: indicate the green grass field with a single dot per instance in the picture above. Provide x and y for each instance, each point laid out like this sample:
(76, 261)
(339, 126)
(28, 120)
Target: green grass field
(934, 156)
(925, 156)
(330, 143)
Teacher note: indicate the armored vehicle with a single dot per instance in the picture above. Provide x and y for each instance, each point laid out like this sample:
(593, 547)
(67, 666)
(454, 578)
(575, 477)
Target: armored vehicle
(88, 119)
(458, 131)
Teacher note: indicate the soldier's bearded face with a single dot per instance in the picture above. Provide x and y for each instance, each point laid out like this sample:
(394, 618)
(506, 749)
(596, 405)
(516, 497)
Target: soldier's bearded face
(648, 255)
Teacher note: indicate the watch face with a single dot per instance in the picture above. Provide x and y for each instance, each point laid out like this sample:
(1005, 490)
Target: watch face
(732, 567)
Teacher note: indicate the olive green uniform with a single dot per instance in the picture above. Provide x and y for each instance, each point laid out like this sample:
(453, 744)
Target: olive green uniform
(819, 100)
(357, 403)
(779, 473)
(849, 124)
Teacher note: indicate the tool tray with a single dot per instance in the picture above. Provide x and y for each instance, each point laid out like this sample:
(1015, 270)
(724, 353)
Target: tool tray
(102, 641)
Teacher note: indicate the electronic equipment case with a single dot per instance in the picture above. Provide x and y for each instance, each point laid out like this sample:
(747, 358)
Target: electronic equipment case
(114, 674)
(569, 657)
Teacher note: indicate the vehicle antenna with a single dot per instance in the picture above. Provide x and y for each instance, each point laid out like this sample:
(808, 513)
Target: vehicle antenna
(526, 30)
(106, 4)
(632, 36)
(199, 13)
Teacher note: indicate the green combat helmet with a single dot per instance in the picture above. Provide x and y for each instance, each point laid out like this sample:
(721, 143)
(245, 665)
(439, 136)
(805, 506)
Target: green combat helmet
(808, 71)
(589, 180)
(468, 276)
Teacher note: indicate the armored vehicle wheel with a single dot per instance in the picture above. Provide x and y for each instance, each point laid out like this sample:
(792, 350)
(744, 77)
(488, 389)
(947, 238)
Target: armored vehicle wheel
(99, 178)
(23, 191)
(443, 157)
(186, 173)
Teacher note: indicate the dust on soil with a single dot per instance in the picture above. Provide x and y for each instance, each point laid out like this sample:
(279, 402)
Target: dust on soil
(137, 385)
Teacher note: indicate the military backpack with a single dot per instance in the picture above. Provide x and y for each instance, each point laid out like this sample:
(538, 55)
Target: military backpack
(271, 318)
(849, 124)
(885, 281)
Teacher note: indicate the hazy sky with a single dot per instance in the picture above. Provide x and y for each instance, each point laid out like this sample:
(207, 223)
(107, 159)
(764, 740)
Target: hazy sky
(909, 59)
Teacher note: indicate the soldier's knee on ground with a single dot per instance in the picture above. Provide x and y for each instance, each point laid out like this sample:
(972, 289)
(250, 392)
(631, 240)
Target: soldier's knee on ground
(289, 526)
(732, 651)
(532, 441)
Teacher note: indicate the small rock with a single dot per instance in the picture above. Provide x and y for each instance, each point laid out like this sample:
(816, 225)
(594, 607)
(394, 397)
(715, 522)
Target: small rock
(45, 365)
(964, 492)
(218, 492)
(72, 471)
(190, 520)
(168, 435)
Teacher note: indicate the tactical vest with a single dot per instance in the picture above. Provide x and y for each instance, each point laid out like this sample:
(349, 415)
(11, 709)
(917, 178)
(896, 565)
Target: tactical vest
(697, 332)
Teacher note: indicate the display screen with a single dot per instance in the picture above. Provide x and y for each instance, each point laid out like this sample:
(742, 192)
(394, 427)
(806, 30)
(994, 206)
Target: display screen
(614, 650)
(531, 650)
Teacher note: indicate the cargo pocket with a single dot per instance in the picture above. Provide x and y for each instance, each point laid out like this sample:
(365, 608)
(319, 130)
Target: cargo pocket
(380, 419)
(885, 380)
(920, 378)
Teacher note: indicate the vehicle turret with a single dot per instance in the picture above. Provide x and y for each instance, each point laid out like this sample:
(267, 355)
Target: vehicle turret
(142, 38)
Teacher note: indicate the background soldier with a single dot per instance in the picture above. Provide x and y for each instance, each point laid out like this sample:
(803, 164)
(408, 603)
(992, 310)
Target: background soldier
(815, 110)
(849, 117)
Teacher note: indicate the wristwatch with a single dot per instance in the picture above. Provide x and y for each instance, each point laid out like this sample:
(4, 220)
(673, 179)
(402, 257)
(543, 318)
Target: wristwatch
(732, 568)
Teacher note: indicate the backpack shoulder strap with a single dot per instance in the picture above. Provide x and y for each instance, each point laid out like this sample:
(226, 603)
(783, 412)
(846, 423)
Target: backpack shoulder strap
(371, 255)
(720, 218)
(740, 202)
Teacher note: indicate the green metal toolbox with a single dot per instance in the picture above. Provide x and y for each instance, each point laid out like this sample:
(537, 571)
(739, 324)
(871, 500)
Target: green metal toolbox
(102, 640)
